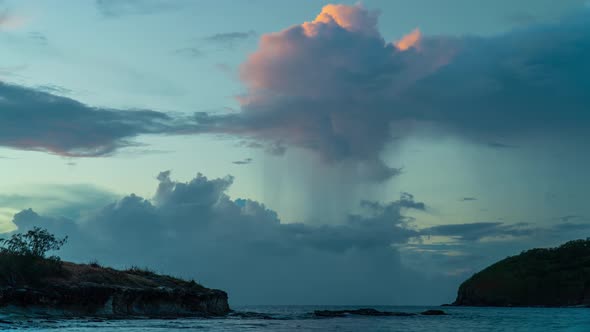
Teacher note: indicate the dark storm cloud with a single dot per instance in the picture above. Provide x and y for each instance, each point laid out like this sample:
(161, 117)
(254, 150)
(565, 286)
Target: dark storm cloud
(31, 119)
(194, 229)
(336, 87)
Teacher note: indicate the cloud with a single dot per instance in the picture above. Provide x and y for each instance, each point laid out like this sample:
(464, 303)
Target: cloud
(569, 217)
(58, 200)
(410, 40)
(54, 89)
(38, 37)
(194, 229)
(243, 162)
(311, 86)
(226, 40)
(9, 21)
(498, 145)
(468, 199)
(118, 8)
(474, 246)
(11, 70)
(35, 120)
(479, 231)
(229, 39)
(334, 86)
(193, 52)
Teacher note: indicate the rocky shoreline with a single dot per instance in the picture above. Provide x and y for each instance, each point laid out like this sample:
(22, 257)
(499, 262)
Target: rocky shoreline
(86, 290)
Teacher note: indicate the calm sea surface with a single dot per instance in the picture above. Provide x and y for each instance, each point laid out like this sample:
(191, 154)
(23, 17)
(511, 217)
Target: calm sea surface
(299, 318)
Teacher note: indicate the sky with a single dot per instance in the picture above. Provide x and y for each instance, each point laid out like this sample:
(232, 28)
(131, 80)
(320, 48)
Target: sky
(286, 150)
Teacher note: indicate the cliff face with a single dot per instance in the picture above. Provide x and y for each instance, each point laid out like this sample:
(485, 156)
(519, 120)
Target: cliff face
(83, 290)
(538, 277)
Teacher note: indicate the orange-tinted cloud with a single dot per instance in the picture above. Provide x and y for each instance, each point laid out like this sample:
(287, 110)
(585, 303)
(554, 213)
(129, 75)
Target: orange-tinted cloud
(9, 22)
(309, 85)
(352, 18)
(410, 40)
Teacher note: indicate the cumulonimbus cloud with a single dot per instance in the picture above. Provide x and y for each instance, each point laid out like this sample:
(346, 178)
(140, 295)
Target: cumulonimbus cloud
(336, 87)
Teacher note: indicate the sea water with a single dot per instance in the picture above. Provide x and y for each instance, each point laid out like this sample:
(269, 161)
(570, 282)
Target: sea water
(301, 318)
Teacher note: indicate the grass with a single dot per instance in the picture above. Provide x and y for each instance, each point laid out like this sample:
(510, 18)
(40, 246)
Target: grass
(94, 263)
(25, 270)
(16, 270)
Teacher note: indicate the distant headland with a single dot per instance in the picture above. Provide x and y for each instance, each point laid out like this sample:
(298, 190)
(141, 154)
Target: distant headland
(31, 283)
(555, 277)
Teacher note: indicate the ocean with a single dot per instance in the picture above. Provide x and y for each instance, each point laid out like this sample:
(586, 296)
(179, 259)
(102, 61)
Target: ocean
(301, 318)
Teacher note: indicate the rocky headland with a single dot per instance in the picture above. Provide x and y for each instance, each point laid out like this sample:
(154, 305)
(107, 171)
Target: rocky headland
(555, 277)
(43, 287)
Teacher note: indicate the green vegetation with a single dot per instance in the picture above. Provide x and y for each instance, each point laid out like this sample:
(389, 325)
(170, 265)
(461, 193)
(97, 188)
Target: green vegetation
(94, 263)
(24, 261)
(538, 277)
(23, 257)
(141, 271)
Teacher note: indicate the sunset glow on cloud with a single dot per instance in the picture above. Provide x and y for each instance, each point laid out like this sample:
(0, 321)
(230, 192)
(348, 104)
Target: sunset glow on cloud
(352, 18)
(410, 40)
(314, 126)
(10, 22)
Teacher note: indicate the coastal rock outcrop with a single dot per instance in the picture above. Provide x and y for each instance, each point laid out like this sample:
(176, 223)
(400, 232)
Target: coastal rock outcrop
(555, 277)
(92, 290)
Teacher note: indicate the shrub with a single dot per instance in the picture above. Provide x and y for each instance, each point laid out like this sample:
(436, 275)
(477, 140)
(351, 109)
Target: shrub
(94, 263)
(36, 243)
(23, 257)
(142, 271)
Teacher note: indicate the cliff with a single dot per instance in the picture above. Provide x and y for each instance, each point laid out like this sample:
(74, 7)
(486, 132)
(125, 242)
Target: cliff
(539, 277)
(65, 289)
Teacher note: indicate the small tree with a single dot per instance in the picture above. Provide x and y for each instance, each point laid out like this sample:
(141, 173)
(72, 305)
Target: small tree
(23, 261)
(34, 243)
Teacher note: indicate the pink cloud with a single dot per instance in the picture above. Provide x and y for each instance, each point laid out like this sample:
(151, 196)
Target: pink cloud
(410, 40)
(321, 85)
(10, 22)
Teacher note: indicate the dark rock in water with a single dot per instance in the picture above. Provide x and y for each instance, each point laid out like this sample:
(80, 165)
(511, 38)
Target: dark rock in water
(87, 290)
(433, 312)
(249, 315)
(359, 312)
(556, 277)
